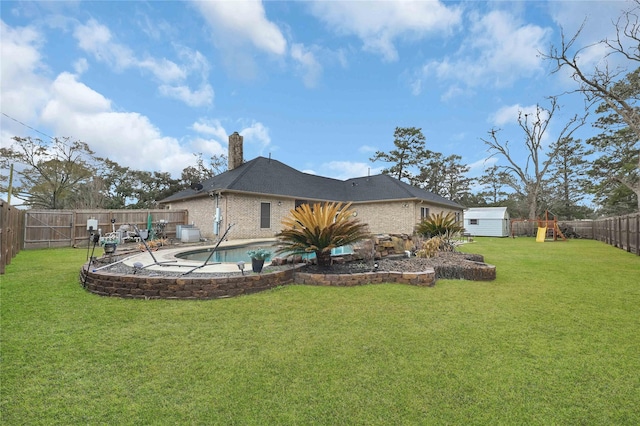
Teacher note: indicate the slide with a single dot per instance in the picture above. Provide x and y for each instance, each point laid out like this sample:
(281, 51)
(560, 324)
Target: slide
(542, 233)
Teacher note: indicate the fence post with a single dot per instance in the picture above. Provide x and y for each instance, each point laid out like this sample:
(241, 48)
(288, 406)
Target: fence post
(628, 245)
(637, 234)
(619, 238)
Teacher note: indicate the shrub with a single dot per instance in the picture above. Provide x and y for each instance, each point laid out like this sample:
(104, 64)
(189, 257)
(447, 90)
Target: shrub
(319, 229)
(259, 254)
(439, 225)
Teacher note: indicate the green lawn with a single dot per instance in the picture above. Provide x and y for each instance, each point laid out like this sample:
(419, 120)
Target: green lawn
(554, 340)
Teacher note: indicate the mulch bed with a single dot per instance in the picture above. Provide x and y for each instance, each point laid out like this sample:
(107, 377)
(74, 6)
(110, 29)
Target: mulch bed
(452, 265)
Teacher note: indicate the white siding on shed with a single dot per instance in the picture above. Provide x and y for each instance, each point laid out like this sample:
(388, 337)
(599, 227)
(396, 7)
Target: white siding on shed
(487, 221)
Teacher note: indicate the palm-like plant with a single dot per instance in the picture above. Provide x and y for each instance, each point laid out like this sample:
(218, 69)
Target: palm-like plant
(439, 225)
(319, 229)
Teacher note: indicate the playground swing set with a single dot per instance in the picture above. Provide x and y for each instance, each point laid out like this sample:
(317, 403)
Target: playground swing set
(548, 229)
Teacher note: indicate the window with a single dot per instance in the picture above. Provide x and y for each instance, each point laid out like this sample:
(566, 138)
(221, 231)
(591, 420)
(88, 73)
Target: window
(473, 221)
(424, 213)
(457, 216)
(265, 215)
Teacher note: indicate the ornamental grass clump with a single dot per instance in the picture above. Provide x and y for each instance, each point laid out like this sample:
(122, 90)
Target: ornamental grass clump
(320, 228)
(429, 248)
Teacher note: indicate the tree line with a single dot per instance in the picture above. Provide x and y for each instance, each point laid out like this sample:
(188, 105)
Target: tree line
(65, 174)
(558, 177)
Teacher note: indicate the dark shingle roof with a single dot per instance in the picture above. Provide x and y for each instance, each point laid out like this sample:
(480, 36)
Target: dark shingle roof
(267, 176)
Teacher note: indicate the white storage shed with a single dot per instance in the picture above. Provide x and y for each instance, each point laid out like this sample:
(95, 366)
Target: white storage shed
(487, 221)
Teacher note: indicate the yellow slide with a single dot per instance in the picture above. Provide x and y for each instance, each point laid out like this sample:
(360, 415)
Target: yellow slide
(542, 233)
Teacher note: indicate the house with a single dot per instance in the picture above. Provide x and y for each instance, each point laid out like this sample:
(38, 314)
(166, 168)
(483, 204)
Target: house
(487, 221)
(255, 196)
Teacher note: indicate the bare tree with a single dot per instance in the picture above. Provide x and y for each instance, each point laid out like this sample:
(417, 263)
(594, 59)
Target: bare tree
(614, 88)
(598, 84)
(527, 178)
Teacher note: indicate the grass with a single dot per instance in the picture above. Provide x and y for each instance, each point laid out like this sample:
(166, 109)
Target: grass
(554, 340)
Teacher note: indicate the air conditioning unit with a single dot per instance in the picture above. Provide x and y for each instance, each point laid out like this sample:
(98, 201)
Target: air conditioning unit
(190, 235)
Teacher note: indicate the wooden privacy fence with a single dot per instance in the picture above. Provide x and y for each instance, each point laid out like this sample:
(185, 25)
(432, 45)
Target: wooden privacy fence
(68, 228)
(620, 231)
(11, 224)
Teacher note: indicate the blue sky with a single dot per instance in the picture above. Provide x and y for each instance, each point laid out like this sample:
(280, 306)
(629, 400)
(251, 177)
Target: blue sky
(317, 85)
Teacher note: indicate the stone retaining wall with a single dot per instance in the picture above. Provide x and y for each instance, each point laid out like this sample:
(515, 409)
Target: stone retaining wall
(425, 279)
(192, 288)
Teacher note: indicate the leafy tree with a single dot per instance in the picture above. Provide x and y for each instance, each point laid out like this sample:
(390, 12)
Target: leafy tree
(517, 205)
(91, 195)
(319, 229)
(49, 173)
(567, 183)
(619, 147)
(444, 176)
(616, 179)
(493, 181)
(409, 152)
(201, 171)
(527, 178)
(473, 200)
(152, 187)
(119, 183)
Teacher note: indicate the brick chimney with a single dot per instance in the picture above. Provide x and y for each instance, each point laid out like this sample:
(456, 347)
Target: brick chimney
(235, 151)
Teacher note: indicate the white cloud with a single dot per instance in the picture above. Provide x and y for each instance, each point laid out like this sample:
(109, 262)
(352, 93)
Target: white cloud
(202, 96)
(453, 92)
(243, 22)
(128, 138)
(347, 169)
(97, 40)
(478, 167)
(217, 141)
(381, 24)
(210, 127)
(596, 16)
(367, 149)
(497, 51)
(509, 114)
(597, 20)
(256, 135)
(81, 66)
(23, 87)
(208, 147)
(307, 64)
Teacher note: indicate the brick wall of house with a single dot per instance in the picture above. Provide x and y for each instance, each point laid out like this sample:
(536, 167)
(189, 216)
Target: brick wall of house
(397, 217)
(201, 211)
(243, 210)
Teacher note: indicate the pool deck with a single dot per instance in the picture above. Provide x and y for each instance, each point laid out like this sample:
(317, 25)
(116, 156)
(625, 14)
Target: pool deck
(166, 260)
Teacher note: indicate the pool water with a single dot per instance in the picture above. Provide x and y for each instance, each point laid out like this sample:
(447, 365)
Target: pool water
(237, 254)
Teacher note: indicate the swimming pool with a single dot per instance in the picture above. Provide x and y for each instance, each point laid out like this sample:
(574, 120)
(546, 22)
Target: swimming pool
(239, 253)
